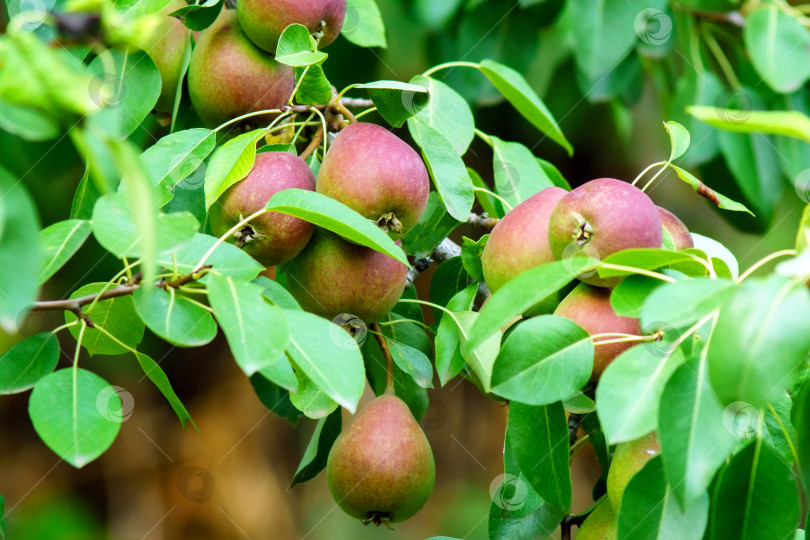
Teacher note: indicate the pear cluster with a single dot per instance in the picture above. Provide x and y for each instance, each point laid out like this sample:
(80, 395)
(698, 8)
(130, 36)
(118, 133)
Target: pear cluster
(367, 168)
(233, 70)
(597, 219)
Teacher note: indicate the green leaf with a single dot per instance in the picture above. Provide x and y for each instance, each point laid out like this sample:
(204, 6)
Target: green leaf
(449, 361)
(363, 24)
(753, 163)
(76, 413)
(520, 294)
(175, 157)
(695, 88)
(59, 242)
(517, 91)
(336, 217)
(471, 251)
(116, 227)
(87, 193)
(765, 319)
(315, 88)
(397, 101)
(297, 48)
(604, 33)
(310, 399)
(128, 93)
(644, 258)
(447, 112)
(629, 391)
(628, 297)
(27, 123)
(518, 175)
(545, 359)
(20, 257)
(412, 362)
(779, 47)
(155, 374)
(313, 339)
(755, 497)
(256, 331)
(684, 303)
(539, 438)
(276, 293)
(275, 398)
(198, 17)
(435, 225)
(719, 254)
(230, 163)
(116, 315)
(678, 138)
(449, 174)
(314, 459)
(648, 510)
(227, 259)
(554, 175)
(481, 357)
(793, 124)
(693, 438)
(175, 318)
(27, 362)
(720, 200)
(800, 418)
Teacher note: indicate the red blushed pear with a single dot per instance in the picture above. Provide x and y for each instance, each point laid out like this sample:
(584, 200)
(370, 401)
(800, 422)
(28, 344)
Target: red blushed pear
(590, 308)
(374, 172)
(272, 238)
(677, 230)
(602, 217)
(332, 276)
(519, 242)
(265, 20)
(229, 76)
(166, 45)
(380, 469)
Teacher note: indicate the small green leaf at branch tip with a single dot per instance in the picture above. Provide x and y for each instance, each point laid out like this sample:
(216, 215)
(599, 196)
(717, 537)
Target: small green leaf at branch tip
(336, 217)
(296, 47)
(721, 201)
(679, 139)
(793, 124)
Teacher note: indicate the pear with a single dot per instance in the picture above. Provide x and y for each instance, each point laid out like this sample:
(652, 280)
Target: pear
(628, 459)
(375, 173)
(590, 308)
(272, 238)
(381, 469)
(601, 217)
(166, 45)
(265, 20)
(229, 76)
(676, 229)
(332, 276)
(601, 524)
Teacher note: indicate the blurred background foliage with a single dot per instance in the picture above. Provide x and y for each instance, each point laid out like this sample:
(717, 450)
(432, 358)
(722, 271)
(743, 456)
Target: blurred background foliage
(230, 480)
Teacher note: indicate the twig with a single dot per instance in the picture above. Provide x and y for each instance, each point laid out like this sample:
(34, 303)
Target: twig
(447, 249)
(313, 145)
(482, 220)
(345, 102)
(389, 362)
(339, 107)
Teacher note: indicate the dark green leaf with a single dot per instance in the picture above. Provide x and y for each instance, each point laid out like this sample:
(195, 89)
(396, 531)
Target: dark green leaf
(412, 362)
(275, 398)
(604, 33)
(198, 17)
(155, 374)
(314, 459)
(175, 157)
(397, 101)
(753, 162)
(435, 225)
(27, 362)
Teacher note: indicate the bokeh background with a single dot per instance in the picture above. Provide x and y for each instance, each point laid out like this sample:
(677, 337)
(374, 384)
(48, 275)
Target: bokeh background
(230, 480)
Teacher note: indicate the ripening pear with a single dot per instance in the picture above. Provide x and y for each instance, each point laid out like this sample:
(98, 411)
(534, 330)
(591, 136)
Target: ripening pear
(229, 76)
(272, 238)
(601, 524)
(374, 172)
(601, 217)
(590, 308)
(166, 45)
(676, 229)
(519, 242)
(332, 276)
(381, 468)
(265, 20)
(628, 459)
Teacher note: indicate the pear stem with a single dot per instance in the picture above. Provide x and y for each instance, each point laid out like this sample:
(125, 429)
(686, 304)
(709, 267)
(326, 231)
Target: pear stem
(389, 362)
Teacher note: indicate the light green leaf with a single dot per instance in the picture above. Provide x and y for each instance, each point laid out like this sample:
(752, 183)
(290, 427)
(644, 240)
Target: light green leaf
(175, 318)
(793, 124)
(412, 362)
(76, 413)
(198, 17)
(297, 48)
(518, 175)
(159, 378)
(227, 259)
(449, 361)
(363, 24)
(59, 242)
(449, 174)
(116, 315)
(604, 33)
(311, 400)
(720, 200)
(678, 138)
(447, 112)
(256, 331)
(779, 47)
(336, 217)
(230, 163)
